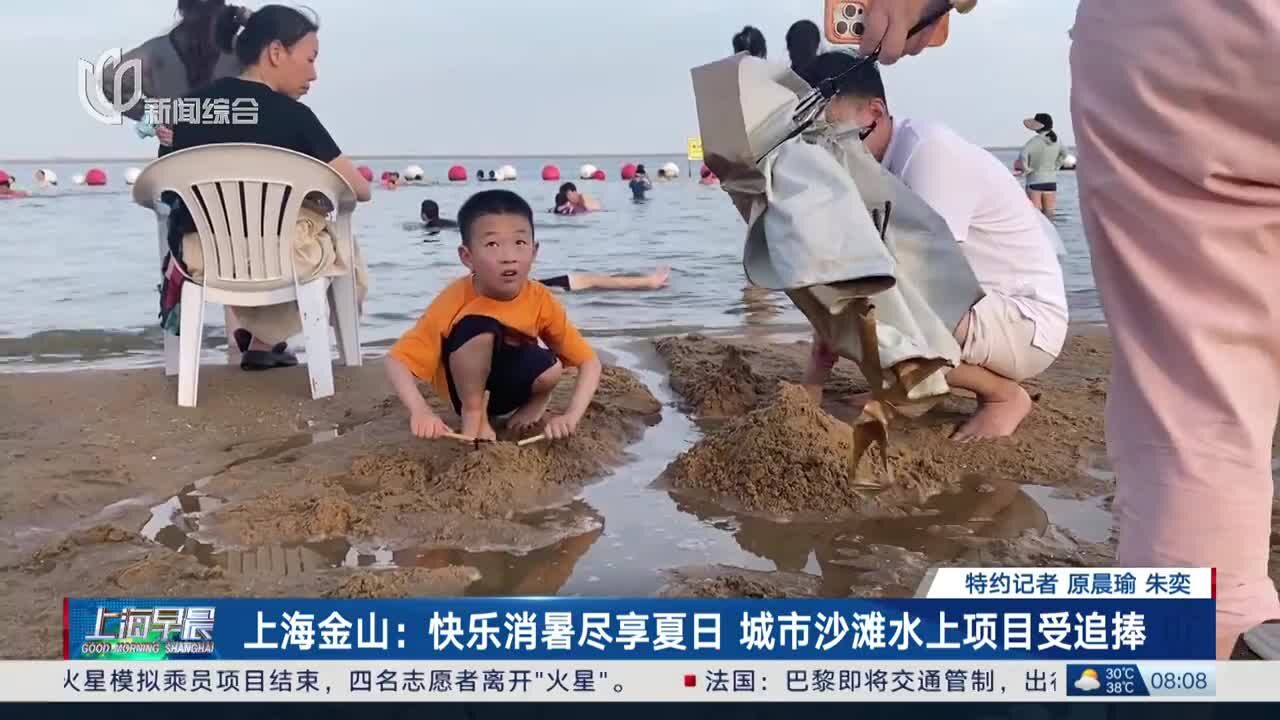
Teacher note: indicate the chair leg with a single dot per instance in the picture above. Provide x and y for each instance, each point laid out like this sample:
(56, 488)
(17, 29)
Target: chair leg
(314, 306)
(172, 353)
(233, 351)
(342, 293)
(192, 329)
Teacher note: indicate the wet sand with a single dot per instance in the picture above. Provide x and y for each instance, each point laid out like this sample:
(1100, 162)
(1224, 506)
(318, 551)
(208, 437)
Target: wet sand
(772, 469)
(263, 492)
(112, 490)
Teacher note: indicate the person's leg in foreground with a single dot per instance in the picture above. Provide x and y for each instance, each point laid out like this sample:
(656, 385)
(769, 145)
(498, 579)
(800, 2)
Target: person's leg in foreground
(1176, 118)
(997, 354)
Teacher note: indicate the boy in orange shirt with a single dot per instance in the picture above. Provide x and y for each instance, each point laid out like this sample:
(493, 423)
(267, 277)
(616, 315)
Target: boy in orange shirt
(481, 334)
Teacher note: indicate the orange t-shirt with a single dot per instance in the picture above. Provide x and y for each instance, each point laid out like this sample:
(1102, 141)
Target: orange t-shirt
(534, 313)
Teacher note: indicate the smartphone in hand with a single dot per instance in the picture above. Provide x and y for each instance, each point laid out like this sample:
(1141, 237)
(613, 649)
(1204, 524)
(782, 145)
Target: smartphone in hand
(845, 23)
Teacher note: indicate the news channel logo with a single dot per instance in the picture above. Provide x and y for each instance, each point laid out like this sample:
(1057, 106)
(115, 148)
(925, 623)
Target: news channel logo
(132, 632)
(90, 79)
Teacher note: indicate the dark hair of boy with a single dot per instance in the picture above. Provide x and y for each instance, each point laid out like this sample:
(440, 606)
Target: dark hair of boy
(492, 202)
(430, 209)
(568, 188)
(862, 82)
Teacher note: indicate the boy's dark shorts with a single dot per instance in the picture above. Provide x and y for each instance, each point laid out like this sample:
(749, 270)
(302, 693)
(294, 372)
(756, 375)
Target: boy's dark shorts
(515, 367)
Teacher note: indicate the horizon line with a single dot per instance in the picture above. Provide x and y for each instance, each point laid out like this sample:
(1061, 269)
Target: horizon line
(401, 156)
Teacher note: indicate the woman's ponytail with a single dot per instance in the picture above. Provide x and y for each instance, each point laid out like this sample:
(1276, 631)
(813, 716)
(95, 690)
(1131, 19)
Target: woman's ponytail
(228, 26)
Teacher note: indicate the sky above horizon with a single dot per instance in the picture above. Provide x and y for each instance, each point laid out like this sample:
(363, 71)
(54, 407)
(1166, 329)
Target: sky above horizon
(555, 77)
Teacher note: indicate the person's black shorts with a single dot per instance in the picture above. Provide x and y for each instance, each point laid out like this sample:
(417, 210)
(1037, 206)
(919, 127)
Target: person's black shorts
(515, 367)
(560, 281)
(1044, 187)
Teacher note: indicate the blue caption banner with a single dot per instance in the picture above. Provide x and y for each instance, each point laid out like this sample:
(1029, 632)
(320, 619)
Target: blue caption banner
(638, 629)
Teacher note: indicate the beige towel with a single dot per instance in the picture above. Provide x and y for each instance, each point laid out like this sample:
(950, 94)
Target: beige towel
(315, 254)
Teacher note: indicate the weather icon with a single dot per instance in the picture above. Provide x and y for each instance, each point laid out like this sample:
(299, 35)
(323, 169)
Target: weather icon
(1088, 681)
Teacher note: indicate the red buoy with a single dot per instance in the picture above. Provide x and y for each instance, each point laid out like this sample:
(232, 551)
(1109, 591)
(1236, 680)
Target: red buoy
(628, 171)
(599, 175)
(95, 178)
(366, 172)
(457, 173)
(550, 172)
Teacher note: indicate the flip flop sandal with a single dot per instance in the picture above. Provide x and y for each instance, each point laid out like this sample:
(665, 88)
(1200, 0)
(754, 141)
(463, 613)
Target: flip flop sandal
(254, 360)
(1260, 643)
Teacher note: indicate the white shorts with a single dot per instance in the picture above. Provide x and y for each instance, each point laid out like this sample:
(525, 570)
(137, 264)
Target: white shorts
(1000, 340)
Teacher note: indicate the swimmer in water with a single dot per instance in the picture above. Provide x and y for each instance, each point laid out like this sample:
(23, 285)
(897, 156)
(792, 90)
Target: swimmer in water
(493, 176)
(480, 175)
(431, 219)
(571, 202)
(6, 189)
(577, 282)
(391, 180)
(640, 184)
(708, 177)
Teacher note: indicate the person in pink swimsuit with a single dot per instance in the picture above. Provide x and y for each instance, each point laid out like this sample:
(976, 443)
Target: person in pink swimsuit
(1177, 122)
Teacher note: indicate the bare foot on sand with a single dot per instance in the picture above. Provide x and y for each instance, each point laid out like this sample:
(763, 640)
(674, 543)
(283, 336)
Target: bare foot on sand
(997, 417)
(477, 426)
(531, 413)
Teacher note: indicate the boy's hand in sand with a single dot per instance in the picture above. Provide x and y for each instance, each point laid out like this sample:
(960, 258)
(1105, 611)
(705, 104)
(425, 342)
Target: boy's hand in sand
(887, 25)
(428, 425)
(560, 427)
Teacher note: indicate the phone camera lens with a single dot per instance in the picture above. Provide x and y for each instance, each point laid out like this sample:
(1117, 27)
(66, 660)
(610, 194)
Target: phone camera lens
(859, 28)
(842, 28)
(850, 11)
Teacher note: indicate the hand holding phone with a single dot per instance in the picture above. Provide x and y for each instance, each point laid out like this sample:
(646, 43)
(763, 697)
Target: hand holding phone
(887, 25)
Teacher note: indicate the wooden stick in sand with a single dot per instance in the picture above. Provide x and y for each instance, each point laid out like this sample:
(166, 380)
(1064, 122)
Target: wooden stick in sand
(532, 440)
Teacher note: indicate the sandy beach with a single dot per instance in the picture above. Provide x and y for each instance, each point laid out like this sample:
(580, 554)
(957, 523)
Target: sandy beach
(112, 490)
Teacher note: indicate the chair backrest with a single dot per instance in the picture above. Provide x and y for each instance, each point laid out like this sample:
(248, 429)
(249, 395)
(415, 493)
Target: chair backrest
(244, 200)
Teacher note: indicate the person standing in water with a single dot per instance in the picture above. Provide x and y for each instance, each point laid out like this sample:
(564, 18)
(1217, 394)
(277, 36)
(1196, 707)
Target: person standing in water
(640, 184)
(1042, 157)
(751, 41)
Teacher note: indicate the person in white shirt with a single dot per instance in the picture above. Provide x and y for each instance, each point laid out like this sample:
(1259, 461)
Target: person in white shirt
(1017, 329)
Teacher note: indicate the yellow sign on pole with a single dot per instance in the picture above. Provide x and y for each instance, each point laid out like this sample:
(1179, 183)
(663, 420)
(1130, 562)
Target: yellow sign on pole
(695, 148)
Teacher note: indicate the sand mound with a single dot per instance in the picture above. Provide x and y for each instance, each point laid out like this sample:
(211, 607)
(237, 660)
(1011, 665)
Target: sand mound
(161, 571)
(416, 582)
(97, 535)
(720, 383)
(787, 458)
(724, 581)
(276, 517)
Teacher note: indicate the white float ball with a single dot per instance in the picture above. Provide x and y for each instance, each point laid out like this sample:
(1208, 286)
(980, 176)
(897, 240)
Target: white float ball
(586, 171)
(78, 179)
(506, 172)
(671, 170)
(413, 173)
(131, 175)
(46, 177)
(1069, 162)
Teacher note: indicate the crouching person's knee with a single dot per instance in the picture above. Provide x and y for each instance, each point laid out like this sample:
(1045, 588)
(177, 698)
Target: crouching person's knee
(474, 333)
(549, 378)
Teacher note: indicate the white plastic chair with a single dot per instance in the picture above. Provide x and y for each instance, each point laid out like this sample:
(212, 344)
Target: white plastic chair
(250, 263)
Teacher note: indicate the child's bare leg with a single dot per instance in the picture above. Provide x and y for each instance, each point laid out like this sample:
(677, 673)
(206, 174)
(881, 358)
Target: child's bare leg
(531, 412)
(1002, 403)
(470, 365)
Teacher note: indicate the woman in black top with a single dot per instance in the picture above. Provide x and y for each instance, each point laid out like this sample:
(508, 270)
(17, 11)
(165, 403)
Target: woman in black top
(277, 48)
